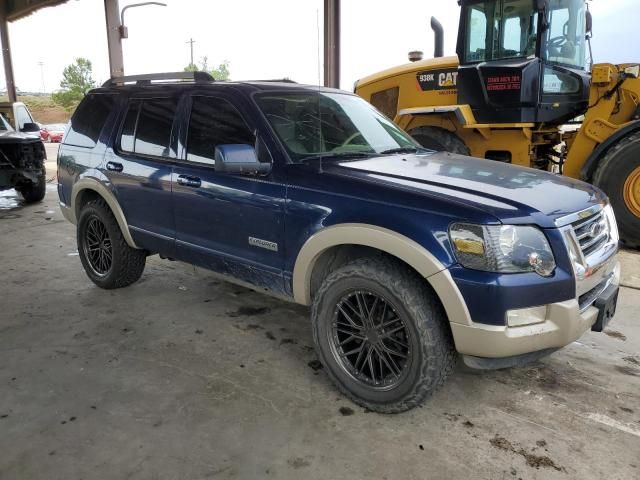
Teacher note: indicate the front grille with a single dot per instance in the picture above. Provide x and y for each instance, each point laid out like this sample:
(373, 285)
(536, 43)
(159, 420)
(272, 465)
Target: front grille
(586, 299)
(592, 232)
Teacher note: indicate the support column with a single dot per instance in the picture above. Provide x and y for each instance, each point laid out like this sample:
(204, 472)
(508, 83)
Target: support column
(6, 54)
(332, 43)
(114, 41)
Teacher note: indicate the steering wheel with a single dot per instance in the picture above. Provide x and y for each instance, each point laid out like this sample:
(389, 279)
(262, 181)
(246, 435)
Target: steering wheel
(556, 44)
(348, 141)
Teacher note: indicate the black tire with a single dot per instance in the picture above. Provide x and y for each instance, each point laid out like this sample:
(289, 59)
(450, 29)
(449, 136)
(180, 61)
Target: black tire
(440, 140)
(431, 356)
(620, 161)
(35, 192)
(124, 265)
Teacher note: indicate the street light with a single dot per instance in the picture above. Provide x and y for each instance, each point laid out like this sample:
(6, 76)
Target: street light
(124, 32)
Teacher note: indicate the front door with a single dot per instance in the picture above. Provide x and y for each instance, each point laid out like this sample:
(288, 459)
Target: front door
(232, 224)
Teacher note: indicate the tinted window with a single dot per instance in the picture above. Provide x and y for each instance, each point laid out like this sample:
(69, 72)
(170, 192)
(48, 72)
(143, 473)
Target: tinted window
(129, 127)
(88, 120)
(153, 131)
(214, 122)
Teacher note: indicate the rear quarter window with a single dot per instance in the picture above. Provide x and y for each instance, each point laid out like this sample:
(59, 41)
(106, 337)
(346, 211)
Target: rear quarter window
(89, 119)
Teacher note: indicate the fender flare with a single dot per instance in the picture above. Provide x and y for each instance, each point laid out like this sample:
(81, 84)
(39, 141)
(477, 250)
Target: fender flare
(591, 164)
(390, 242)
(108, 196)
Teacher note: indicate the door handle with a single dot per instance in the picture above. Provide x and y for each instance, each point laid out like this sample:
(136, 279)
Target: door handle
(114, 166)
(189, 181)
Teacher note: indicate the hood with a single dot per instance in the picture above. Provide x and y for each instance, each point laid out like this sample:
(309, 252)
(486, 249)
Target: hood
(511, 194)
(11, 136)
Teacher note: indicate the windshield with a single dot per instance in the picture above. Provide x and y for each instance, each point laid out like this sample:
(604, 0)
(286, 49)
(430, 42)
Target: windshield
(500, 29)
(566, 35)
(326, 124)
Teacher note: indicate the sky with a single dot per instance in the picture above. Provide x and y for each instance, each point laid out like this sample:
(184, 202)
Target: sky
(263, 38)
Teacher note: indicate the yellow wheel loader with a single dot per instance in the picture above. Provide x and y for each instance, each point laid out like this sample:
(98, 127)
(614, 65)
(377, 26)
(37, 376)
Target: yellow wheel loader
(519, 91)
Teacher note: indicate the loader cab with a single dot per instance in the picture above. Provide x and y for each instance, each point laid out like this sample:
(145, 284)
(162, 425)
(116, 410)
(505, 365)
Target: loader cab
(523, 61)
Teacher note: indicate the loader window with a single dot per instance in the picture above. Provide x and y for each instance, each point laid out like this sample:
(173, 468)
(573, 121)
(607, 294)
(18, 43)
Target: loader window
(500, 29)
(566, 36)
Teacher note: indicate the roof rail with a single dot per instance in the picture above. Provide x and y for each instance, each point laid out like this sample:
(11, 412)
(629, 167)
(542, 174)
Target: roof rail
(282, 80)
(147, 78)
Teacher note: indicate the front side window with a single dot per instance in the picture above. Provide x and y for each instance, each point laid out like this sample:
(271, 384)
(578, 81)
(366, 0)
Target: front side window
(214, 122)
(147, 127)
(326, 124)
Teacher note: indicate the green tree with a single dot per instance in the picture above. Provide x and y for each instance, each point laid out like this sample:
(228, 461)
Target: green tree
(221, 72)
(76, 81)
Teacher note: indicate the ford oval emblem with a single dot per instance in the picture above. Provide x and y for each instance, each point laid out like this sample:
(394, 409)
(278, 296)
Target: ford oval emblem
(595, 229)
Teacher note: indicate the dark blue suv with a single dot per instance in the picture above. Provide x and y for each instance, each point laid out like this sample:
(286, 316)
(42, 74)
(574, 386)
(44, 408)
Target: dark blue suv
(407, 256)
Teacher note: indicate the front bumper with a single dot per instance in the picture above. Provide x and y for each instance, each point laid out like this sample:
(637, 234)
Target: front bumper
(564, 323)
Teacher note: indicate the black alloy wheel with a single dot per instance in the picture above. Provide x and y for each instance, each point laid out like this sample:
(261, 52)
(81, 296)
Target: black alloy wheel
(370, 340)
(97, 246)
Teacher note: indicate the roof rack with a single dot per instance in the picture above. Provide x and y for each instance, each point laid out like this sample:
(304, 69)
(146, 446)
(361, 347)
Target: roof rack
(147, 78)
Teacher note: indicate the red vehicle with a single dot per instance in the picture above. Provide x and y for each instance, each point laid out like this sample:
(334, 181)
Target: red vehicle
(53, 133)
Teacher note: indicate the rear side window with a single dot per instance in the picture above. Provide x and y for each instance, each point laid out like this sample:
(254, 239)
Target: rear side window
(89, 119)
(214, 122)
(147, 127)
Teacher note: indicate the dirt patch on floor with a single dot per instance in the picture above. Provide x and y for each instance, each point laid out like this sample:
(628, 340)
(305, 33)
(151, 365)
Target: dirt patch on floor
(618, 335)
(533, 460)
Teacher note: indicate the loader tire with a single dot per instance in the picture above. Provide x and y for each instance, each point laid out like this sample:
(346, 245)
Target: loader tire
(440, 140)
(618, 175)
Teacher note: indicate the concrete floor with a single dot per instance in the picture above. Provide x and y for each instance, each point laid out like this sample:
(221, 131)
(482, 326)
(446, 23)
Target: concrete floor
(183, 376)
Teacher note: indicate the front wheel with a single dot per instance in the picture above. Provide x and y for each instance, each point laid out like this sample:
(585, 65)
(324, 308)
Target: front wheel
(618, 174)
(382, 335)
(104, 253)
(34, 192)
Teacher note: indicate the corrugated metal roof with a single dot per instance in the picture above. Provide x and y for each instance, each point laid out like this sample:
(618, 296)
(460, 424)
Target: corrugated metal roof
(17, 9)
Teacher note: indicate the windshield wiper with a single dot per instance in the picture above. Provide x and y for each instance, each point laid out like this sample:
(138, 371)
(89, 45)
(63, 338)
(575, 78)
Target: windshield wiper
(401, 150)
(337, 156)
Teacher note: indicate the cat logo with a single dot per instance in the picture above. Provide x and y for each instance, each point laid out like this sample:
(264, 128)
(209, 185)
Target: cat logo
(448, 79)
(445, 80)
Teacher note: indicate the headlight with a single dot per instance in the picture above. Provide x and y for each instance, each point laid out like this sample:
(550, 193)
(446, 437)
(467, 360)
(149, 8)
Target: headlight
(502, 248)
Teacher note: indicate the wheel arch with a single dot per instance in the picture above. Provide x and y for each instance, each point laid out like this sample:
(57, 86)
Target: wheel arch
(374, 238)
(591, 164)
(88, 187)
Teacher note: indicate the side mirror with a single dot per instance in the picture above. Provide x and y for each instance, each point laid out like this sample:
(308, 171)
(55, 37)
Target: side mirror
(30, 127)
(589, 22)
(239, 159)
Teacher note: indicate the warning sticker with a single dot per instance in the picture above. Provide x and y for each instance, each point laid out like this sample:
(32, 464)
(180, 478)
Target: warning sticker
(504, 83)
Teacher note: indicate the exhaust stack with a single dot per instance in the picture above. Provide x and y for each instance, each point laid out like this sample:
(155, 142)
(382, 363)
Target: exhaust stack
(438, 32)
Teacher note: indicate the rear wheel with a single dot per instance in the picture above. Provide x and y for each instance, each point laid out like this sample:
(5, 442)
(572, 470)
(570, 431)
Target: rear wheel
(440, 140)
(618, 175)
(104, 253)
(34, 192)
(382, 335)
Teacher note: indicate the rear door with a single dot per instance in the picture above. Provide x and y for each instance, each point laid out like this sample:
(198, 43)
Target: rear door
(139, 168)
(229, 223)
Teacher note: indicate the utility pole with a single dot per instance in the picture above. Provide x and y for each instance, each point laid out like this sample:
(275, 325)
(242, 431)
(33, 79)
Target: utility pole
(41, 64)
(191, 41)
